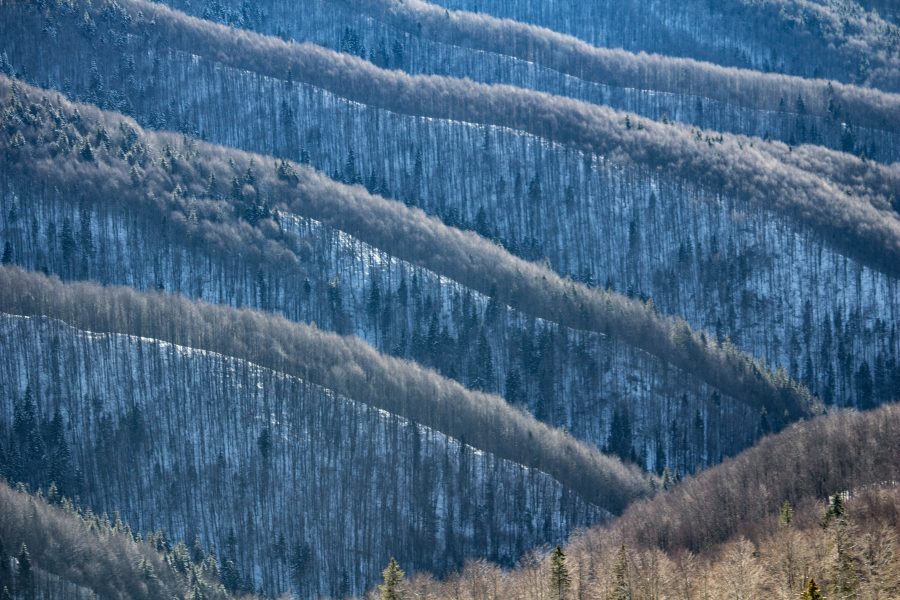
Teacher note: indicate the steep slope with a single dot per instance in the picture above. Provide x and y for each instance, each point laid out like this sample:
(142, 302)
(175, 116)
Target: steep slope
(77, 554)
(423, 38)
(187, 237)
(728, 530)
(300, 488)
(847, 450)
(853, 555)
(196, 442)
(341, 364)
(838, 40)
(613, 201)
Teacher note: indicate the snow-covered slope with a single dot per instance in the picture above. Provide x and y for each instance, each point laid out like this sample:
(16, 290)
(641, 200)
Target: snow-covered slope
(270, 469)
(572, 379)
(600, 219)
(838, 40)
(305, 459)
(764, 107)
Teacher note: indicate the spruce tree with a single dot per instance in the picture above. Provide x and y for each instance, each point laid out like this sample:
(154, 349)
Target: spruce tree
(787, 513)
(264, 443)
(812, 591)
(393, 578)
(25, 576)
(5, 572)
(301, 560)
(835, 509)
(560, 581)
(845, 564)
(621, 589)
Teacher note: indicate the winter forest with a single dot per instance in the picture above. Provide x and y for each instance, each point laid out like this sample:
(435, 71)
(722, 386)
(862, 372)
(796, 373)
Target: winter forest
(450, 299)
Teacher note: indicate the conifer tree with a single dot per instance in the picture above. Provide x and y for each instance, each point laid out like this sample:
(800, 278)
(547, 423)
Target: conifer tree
(621, 589)
(844, 563)
(835, 509)
(787, 513)
(812, 591)
(264, 443)
(393, 578)
(25, 575)
(300, 563)
(5, 574)
(560, 580)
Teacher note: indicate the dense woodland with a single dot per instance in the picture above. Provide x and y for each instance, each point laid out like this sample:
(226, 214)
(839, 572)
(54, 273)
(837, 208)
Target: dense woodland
(423, 38)
(290, 293)
(835, 40)
(533, 378)
(816, 502)
(540, 232)
(50, 548)
(290, 483)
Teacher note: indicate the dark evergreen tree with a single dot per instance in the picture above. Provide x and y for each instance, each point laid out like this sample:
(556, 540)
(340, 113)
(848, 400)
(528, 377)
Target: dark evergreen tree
(301, 561)
(660, 458)
(351, 175)
(27, 457)
(231, 576)
(25, 575)
(5, 570)
(620, 434)
(59, 468)
(560, 580)
(264, 443)
(373, 302)
(67, 244)
(865, 398)
(512, 388)
(484, 365)
(835, 509)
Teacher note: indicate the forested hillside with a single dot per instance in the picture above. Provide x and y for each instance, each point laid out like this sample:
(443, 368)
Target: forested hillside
(731, 249)
(553, 370)
(50, 548)
(171, 398)
(819, 501)
(424, 38)
(293, 291)
(837, 40)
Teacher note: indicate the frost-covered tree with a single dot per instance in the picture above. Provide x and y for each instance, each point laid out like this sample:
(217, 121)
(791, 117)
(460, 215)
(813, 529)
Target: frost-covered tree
(391, 588)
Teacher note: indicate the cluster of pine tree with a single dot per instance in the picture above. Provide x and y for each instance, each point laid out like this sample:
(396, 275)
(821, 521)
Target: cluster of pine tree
(35, 452)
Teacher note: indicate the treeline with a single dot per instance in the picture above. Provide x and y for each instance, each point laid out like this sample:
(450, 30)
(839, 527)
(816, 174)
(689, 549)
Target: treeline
(49, 547)
(180, 178)
(849, 202)
(819, 500)
(344, 365)
(861, 106)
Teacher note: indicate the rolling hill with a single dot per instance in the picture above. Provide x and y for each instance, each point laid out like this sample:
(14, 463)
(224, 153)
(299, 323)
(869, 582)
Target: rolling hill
(291, 289)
